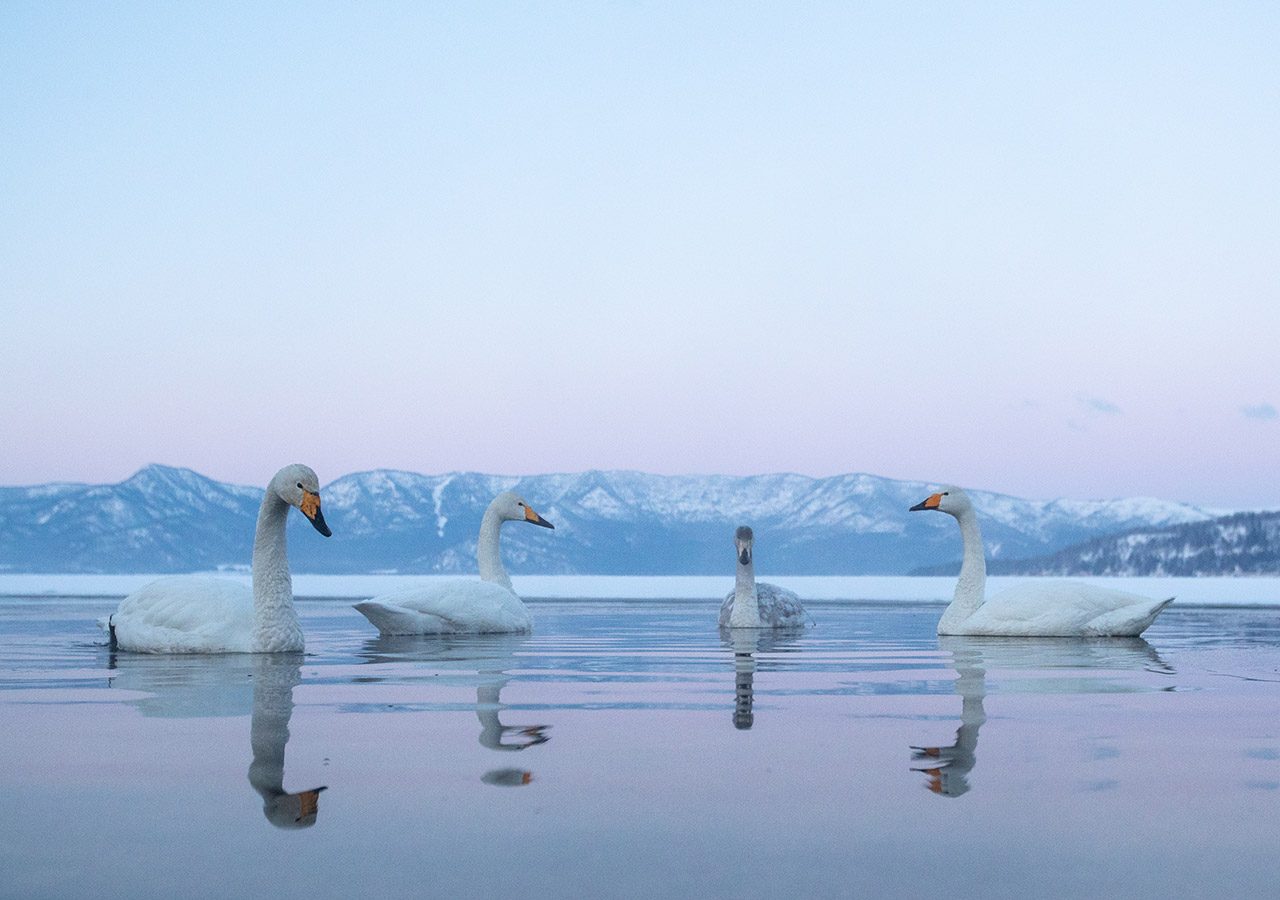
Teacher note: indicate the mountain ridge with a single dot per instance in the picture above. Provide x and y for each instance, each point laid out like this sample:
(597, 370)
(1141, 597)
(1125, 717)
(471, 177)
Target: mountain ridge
(608, 522)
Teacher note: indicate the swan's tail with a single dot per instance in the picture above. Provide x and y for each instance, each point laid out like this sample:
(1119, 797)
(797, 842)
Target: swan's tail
(107, 625)
(393, 620)
(1145, 623)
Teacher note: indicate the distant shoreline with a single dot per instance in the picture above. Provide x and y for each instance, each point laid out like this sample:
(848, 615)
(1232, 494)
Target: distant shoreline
(1212, 591)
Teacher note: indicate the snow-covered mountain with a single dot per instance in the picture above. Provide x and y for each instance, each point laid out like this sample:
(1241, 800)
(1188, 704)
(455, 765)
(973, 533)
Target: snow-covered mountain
(1239, 544)
(174, 520)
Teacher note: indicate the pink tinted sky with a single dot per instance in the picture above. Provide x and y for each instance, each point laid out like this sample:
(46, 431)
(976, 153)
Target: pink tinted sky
(1025, 250)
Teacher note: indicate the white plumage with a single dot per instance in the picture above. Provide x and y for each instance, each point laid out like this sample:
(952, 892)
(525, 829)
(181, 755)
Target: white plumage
(186, 614)
(451, 607)
(198, 614)
(488, 605)
(1032, 609)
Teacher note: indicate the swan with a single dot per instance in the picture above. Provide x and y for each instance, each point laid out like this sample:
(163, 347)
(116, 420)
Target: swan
(754, 604)
(197, 614)
(1042, 609)
(489, 605)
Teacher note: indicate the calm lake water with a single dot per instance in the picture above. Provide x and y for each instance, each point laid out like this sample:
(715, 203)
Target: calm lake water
(626, 750)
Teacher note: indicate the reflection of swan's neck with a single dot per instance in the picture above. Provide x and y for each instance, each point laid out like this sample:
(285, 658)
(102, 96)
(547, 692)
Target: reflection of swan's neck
(487, 553)
(274, 679)
(269, 730)
(744, 666)
(973, 574)
(276, 625)
(971, 684)
(746, 604)
(487, 706)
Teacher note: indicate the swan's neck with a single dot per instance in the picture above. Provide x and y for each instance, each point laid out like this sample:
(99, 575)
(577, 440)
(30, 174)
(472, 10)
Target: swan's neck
(746, 604)
(973, 575)
(488, 555)
(275, 623)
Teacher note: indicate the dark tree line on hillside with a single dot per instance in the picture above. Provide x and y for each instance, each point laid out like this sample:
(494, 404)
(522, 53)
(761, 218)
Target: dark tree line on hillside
(1239, 544)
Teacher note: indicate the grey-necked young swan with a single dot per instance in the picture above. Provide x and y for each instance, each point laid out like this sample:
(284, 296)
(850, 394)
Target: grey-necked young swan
(1032, 609)
(754, 604)
(489, 605)
(196, 614)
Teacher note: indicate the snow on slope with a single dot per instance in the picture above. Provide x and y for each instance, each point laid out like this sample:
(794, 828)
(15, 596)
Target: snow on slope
(609, 523)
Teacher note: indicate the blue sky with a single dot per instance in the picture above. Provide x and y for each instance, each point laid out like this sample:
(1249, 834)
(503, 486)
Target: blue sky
(1026, 249)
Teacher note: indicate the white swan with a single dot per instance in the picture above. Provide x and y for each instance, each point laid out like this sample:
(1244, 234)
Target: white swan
(758, 605)
(489, 605)
(195, 614)
(1036, 609)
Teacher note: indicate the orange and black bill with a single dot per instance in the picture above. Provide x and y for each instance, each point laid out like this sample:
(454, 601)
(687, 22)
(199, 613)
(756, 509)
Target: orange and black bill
(531, 516)
(310, 507)
(930, 502)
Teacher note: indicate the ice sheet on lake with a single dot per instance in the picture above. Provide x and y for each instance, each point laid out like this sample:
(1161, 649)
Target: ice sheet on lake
(1251, 591)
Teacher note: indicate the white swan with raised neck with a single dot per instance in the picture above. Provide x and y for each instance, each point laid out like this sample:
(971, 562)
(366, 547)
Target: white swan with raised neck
(1031, 609)
(488, 605)
(198, 614)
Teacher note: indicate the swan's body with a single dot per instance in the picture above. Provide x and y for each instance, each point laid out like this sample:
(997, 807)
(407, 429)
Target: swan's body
(753, 604)
(451, 607)
(197, 614)
(489, 605)
(1034, 609)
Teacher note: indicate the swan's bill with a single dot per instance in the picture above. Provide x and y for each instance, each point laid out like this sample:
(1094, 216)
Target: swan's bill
(930, 502)
(531, 516)
(310, 507)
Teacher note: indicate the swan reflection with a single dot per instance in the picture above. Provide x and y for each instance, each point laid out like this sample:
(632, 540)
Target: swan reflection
(948, 767)
(482, 657)
(745, 643)
(275, 676)
(495, 735)
(215, 686)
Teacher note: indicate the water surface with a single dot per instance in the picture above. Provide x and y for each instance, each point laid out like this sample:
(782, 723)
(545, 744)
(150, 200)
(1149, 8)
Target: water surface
(626, 749)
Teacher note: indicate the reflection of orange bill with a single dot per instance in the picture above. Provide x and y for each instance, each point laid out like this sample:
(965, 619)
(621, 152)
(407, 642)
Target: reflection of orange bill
(310, 504)
(309, 804)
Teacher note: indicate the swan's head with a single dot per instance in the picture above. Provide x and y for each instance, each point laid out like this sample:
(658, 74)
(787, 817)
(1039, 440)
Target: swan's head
(950, 500)
(743, 541)
(511, 507)
(298, 486)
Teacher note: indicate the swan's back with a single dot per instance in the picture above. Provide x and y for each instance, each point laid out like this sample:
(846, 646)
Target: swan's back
(458, 606)
(779, 607)
(1064, 608)
(186, 614)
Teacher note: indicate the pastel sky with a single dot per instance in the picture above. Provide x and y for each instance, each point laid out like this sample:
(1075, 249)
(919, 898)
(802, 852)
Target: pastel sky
(1032, 248)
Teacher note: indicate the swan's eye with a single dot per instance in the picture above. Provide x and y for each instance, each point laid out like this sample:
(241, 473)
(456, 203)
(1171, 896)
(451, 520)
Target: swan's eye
(300, 487)
(944, 493)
